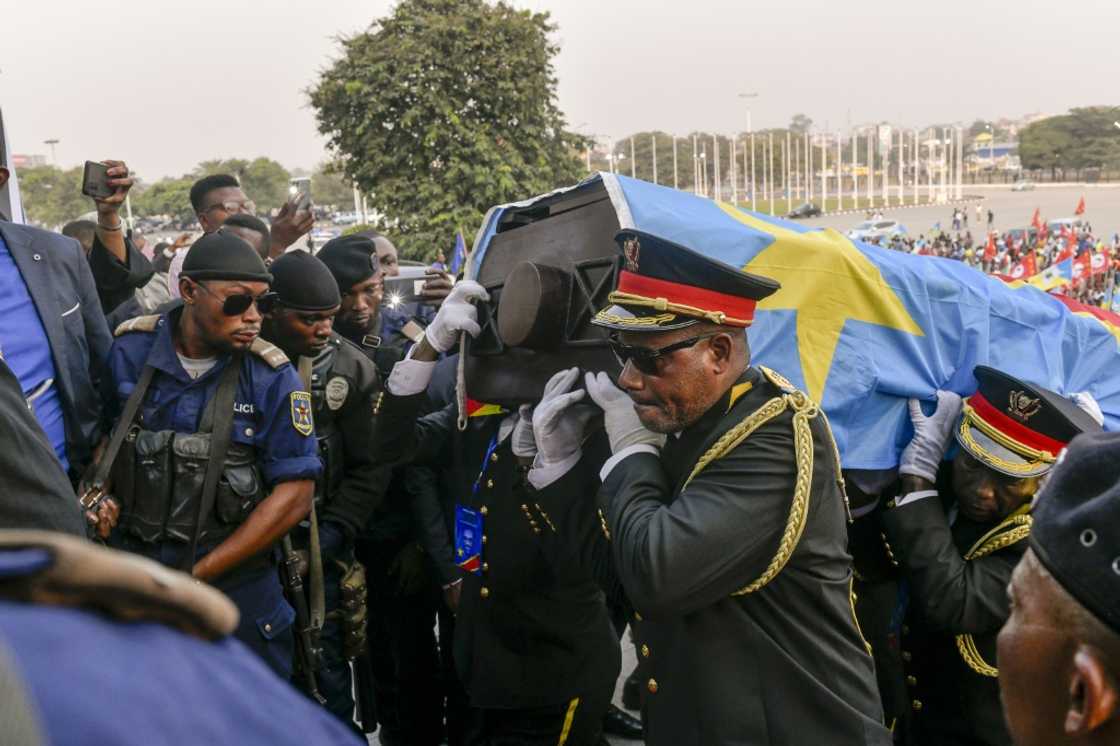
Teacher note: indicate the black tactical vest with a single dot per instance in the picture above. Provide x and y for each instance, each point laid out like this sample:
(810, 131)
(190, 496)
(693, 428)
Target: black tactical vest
(158, 478)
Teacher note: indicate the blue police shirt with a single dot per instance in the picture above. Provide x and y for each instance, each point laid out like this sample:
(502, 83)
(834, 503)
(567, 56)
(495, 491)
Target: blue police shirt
(268, 407)
(94, 680)
(27, 351)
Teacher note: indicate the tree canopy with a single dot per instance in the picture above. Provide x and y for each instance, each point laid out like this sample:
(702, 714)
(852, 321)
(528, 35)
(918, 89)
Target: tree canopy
(52, 196)
(1083, 138)
(443, 109)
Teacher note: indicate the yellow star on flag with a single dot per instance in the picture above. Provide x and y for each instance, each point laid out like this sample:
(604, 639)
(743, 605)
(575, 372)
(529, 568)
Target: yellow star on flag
(827, 281)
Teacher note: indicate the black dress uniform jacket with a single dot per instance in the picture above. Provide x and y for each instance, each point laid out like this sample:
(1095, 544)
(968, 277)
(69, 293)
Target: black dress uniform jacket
(955, 608)
(782, 663)
(345, 387)
(530, 631)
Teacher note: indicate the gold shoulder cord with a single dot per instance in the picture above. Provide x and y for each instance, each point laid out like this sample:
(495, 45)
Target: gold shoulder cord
(1013, 529)
(804, 410)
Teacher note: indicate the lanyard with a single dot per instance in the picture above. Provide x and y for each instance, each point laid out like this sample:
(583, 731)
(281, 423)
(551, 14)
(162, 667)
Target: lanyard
(485, 463)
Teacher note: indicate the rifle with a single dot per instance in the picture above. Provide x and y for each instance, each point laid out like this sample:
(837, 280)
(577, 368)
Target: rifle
(308, 653)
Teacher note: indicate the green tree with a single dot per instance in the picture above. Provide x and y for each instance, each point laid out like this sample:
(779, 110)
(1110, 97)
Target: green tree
(329, 187)
(52, 196)
(1083, 138)
(166, 197)
(800, 124)
(444, 109)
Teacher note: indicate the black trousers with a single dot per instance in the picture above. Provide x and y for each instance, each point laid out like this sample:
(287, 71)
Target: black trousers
(402, 650)
(578, 722)
(456, 703)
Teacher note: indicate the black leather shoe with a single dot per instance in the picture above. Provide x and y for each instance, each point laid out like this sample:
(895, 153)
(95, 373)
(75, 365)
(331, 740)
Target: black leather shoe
(632, 691)
(622, 724)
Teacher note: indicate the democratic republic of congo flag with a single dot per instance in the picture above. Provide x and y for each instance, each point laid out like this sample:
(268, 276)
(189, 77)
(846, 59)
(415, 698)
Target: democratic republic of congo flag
(862, 328)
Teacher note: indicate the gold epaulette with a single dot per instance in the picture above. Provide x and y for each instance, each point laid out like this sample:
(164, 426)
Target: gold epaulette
(268, 352)
(779, 380)
(1011, 530)
(139, 324)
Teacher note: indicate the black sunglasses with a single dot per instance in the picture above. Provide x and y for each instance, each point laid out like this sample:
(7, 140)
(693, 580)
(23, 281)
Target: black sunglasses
(645, 358)
(237, 304)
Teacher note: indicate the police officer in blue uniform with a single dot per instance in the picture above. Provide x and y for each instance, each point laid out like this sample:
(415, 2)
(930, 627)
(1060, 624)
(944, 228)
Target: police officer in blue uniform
(186, 381)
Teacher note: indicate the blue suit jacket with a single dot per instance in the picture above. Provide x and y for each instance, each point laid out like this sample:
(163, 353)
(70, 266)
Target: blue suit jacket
(59, 281)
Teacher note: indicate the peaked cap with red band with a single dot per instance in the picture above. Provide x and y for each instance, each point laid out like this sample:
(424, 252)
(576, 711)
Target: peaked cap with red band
(1017, 428)
(664, 286)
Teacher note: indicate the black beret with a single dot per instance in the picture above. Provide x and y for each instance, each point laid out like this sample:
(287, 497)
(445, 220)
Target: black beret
(302, 282)
(224, 256)
(664, 285)
(1018, 428)
(1076, 529)
(351, 259)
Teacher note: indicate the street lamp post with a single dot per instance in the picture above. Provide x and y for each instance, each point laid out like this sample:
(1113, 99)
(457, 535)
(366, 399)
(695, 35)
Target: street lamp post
(52, 142)
(750, 136)
(991, 151)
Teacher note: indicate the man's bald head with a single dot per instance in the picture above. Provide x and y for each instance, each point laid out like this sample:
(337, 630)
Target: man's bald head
(1059, 665)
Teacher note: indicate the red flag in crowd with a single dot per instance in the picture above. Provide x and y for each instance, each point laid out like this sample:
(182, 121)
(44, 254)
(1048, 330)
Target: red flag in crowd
(990, 249)
(1100, 262)
(1026, 268)
(1071, 244)
(1036, 220)
(1080, 207)
(1082, 267)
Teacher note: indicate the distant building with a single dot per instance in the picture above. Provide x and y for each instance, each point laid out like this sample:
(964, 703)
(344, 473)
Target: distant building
(28, 161)
(988, 154)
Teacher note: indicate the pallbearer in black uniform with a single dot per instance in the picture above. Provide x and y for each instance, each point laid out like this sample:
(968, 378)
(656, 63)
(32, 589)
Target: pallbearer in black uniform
(534, 646)
(953, 532)
(344, 387)
(724, 512)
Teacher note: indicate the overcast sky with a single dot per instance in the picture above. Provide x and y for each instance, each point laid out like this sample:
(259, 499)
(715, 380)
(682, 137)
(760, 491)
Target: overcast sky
(164, 84)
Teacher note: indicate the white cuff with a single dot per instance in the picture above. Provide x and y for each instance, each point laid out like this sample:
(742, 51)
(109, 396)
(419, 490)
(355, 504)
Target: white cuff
(410, 376)
(542, 475)
(913, 497)
(614, 460)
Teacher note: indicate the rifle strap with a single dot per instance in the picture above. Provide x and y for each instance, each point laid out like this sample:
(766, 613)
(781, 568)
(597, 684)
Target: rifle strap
(131, 408)
(316, 591)
(217, 419)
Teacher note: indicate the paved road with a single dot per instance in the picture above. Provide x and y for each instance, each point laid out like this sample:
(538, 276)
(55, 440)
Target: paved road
(1012, 209)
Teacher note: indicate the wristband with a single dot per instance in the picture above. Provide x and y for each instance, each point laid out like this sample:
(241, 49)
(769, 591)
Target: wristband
(104, 227)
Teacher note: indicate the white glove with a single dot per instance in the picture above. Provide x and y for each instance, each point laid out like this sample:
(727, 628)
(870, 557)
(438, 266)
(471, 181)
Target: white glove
(457, 314)
(624, 429)
(522, 442)
(559, 420)
(923, 455)
(1088, 405)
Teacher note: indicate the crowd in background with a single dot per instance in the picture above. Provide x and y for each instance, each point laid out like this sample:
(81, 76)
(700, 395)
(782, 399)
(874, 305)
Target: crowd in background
(1024, 253)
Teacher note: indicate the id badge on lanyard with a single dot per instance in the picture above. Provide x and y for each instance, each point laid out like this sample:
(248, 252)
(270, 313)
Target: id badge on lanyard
(468, 539)
(469, 523)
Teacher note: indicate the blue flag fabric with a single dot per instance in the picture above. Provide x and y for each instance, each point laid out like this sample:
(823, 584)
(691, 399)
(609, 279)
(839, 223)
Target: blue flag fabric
(862, 328)
(459, 255)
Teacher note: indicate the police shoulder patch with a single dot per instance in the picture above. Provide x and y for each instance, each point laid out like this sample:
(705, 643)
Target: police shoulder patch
(301, 413)
(268, 352)
(139, 324)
